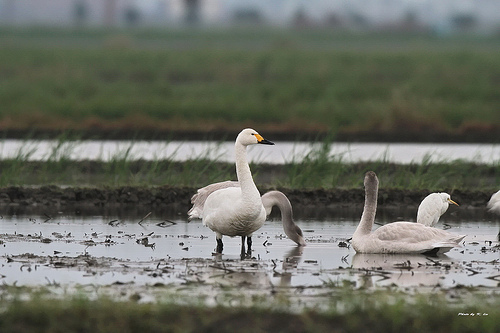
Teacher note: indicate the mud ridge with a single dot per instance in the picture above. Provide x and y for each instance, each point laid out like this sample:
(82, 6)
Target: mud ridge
(137, 200)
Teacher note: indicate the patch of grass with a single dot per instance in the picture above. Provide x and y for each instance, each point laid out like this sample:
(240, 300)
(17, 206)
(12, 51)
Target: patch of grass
(319, 169)
(197, 173)
(372, 312)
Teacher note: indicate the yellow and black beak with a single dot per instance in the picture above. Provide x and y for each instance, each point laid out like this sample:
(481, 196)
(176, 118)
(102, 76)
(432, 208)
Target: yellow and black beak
(260, 139)
(453, 202)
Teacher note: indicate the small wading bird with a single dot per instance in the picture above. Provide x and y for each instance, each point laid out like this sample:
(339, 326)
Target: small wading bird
(269, 200)
(397, 237)
(235, 211)
(432, 207)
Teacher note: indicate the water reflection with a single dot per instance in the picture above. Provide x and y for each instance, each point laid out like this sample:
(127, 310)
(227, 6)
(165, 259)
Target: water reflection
(289, 266)
(401, 270)
(233, 274)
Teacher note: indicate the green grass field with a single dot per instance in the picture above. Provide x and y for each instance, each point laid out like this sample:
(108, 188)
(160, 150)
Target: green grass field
(290, 82)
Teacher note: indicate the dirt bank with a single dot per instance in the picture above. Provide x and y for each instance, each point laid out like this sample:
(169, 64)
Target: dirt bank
(137, 201)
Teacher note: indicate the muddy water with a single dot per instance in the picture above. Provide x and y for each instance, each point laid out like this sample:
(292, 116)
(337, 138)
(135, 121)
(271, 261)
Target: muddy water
(104, 251)
(282, 152)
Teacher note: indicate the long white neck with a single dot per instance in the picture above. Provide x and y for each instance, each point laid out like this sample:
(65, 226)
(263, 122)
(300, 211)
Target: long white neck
(243, 171)
(369, 210)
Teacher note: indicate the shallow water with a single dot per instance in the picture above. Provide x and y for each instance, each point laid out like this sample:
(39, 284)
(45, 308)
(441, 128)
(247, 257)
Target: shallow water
(280, 153)
(91, 251)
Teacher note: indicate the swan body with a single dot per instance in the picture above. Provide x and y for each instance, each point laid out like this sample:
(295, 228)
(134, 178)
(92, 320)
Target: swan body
(432, 207)
(494, 203)
(235, 211)
(397, 237)
(199, 198)
(269, 200)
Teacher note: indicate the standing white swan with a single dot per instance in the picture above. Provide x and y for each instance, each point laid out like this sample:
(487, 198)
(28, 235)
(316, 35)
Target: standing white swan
(236, 211)
(397, 237)
(432, 207)
(269, 200)
(494, 203)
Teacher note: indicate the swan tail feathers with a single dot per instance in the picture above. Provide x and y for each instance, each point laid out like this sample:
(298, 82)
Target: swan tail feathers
(444, 246)
(195, 213)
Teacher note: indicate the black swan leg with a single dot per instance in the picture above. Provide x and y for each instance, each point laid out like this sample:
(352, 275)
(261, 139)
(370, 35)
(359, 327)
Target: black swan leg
(243, 252)
(220, 246)
(249, 245)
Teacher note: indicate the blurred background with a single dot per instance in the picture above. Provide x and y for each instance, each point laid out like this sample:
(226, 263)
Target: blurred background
(439, 16)
(361, 70)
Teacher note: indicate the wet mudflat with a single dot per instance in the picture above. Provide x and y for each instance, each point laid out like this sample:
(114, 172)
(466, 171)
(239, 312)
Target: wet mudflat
(156, 258)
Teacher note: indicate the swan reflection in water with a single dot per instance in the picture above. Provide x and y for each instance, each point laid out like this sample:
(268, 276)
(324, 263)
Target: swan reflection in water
(402, 270)
(255, 274)
(289, 267)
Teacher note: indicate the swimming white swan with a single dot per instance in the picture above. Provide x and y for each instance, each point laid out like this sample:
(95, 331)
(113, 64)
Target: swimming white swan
(269, 200)
(494, 203)
(432, 207)
(397, 237)
(235, 211)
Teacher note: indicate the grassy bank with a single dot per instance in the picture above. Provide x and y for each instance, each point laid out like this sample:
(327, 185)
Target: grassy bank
(374, 312)
(291, 82)
(317, 170)
(440, 176)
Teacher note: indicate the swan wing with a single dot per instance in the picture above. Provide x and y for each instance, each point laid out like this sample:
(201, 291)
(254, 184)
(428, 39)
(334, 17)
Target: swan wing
(200, 197)
(407, 232)
(409, 237)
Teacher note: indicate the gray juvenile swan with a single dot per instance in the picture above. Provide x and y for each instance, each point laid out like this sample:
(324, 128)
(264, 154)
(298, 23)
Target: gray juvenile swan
(236, 211)
(269, 200)
(397, 237)
(432, 207)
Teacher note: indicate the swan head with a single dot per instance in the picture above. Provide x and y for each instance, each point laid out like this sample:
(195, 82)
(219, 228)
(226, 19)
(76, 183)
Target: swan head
(447, 198)
(298, 237)
(371, 180)
(251, 137)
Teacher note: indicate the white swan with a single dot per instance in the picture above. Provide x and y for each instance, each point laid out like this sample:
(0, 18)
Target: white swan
(269, 200)
(397, 237)
(432, 207)
(235, 211)
(494, 203)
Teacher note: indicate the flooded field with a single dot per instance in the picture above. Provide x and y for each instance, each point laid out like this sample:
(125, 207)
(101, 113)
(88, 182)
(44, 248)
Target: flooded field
(154, 258)
(282, 152)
